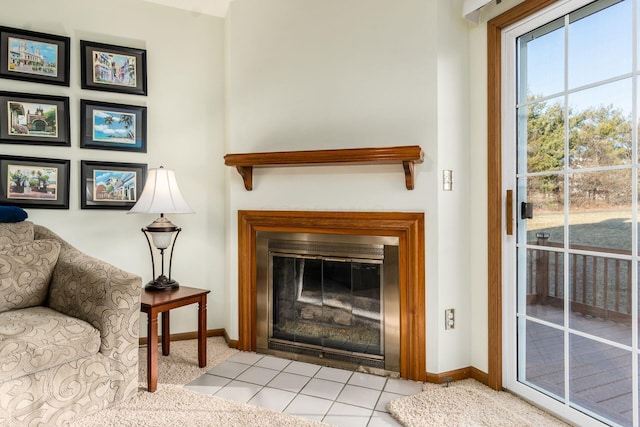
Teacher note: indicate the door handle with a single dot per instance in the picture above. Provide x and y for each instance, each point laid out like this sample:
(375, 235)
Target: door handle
(509, 212)
(526, 210)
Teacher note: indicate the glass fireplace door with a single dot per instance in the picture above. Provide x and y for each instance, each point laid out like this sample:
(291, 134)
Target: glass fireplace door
(330, 303)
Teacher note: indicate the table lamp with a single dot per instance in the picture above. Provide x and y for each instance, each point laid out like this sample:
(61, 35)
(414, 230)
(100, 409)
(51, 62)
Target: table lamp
(161, 195)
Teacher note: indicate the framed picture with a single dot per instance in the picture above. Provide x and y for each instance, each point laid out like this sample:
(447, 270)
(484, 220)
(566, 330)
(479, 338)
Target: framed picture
(107, 126)
(107, 185)
(113, 68)
(34, 119)
(34, 57)
(32, 182)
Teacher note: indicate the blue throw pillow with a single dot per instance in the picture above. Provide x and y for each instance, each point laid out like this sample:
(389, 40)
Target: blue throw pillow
(12, 214)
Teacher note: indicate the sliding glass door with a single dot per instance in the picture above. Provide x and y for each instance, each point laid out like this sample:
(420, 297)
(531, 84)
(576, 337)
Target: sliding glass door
(571, 158)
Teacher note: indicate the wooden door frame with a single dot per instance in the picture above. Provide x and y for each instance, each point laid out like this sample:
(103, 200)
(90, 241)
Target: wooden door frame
(496, 206)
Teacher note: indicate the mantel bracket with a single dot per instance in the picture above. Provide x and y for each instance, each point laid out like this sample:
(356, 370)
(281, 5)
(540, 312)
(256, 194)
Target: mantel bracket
(246, 172)
(408, 174)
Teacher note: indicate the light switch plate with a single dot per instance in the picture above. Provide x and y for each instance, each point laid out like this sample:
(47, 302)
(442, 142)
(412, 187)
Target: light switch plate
(447, 180)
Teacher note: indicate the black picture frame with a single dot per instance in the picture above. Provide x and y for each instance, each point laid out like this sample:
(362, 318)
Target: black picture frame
(26, 119)
(113, 68)
(34, 182)
(109, 126)
(124, 194)
(34, 57)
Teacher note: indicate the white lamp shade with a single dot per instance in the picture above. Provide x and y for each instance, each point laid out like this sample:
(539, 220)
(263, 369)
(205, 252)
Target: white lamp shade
(161, 194)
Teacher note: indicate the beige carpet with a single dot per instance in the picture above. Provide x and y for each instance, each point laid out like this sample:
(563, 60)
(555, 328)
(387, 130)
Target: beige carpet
(467, 403)
(172, 405)
(464, 403)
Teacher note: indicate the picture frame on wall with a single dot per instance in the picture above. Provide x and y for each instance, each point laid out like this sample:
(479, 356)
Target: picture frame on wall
(34, 57)
(111, 185)
(109, 126)
(31, 119)
(113, 68)
(33, 182)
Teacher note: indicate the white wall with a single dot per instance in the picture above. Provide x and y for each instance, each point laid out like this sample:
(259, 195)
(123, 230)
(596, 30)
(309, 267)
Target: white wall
(478, 195)
(454, 210)
(477, 100)
(185, 133)
(358, 73)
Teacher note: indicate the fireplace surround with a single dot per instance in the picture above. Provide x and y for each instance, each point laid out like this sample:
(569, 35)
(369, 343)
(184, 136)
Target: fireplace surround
(407, 227)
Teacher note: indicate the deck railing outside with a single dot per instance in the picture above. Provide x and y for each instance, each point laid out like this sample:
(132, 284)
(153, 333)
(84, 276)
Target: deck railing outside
(600, 285)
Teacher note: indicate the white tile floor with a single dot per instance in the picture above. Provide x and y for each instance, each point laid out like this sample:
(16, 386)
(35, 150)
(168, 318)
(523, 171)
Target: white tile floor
(334, 396)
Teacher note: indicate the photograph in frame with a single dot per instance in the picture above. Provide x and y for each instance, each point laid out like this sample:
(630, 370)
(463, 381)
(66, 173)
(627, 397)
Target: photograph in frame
(33, 56)
(110, 185)
(31, 119)
(109, 126)
(34, 182)
(113, 68)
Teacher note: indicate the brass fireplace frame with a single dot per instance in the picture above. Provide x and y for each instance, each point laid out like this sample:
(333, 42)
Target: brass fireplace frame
(313, 243)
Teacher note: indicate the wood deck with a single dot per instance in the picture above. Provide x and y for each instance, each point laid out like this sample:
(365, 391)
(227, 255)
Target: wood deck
(600, 375)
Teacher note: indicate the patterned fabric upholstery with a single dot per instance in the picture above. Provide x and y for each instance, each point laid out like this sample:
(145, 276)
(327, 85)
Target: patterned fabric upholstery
(57, 396)
(25, 273)
(37, 338)
(16, 232)
(97, 296)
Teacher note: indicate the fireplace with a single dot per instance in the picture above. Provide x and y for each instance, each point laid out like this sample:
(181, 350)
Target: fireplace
(330, 299)
(406, 227)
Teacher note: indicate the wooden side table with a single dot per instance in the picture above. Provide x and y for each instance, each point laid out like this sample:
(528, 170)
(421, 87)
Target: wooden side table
(154, 302)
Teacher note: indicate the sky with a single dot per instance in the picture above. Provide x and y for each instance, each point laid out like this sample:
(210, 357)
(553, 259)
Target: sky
(48, 51)
(114, 132)
(599, 48)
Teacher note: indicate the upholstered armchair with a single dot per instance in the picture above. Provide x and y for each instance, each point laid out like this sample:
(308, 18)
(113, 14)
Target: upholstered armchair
(68, 329)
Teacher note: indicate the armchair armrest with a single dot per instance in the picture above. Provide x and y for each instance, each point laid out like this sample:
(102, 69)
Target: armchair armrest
(99, 293)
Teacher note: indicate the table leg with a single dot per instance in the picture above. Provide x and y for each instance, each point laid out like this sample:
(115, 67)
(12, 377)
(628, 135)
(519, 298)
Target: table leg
(152, 351)
(166, 334)
(202, 331)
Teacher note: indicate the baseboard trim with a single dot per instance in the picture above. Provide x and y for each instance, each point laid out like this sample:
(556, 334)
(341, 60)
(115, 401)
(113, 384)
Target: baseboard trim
(459, 374)
(479, 376)
(455, 375)
(190, 336)
(231, 343)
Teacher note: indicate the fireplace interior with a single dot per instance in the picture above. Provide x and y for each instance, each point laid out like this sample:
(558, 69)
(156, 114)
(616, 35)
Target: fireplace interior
(329, 299)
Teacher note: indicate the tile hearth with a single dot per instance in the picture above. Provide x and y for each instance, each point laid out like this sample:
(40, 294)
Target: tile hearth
(335, 396)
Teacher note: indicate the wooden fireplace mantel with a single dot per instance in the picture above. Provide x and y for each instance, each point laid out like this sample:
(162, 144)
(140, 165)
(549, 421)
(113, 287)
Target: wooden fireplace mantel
(407, 155)
(407, 226)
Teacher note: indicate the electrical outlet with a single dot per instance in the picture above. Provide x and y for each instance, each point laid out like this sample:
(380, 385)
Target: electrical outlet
(449, 318)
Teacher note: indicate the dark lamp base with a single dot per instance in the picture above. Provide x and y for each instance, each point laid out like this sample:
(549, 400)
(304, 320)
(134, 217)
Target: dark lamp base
(162, 283)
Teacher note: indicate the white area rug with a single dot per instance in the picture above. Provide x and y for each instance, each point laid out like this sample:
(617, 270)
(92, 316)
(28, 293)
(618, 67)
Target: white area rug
(174, 406)
(467, 403)
(464, 403)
